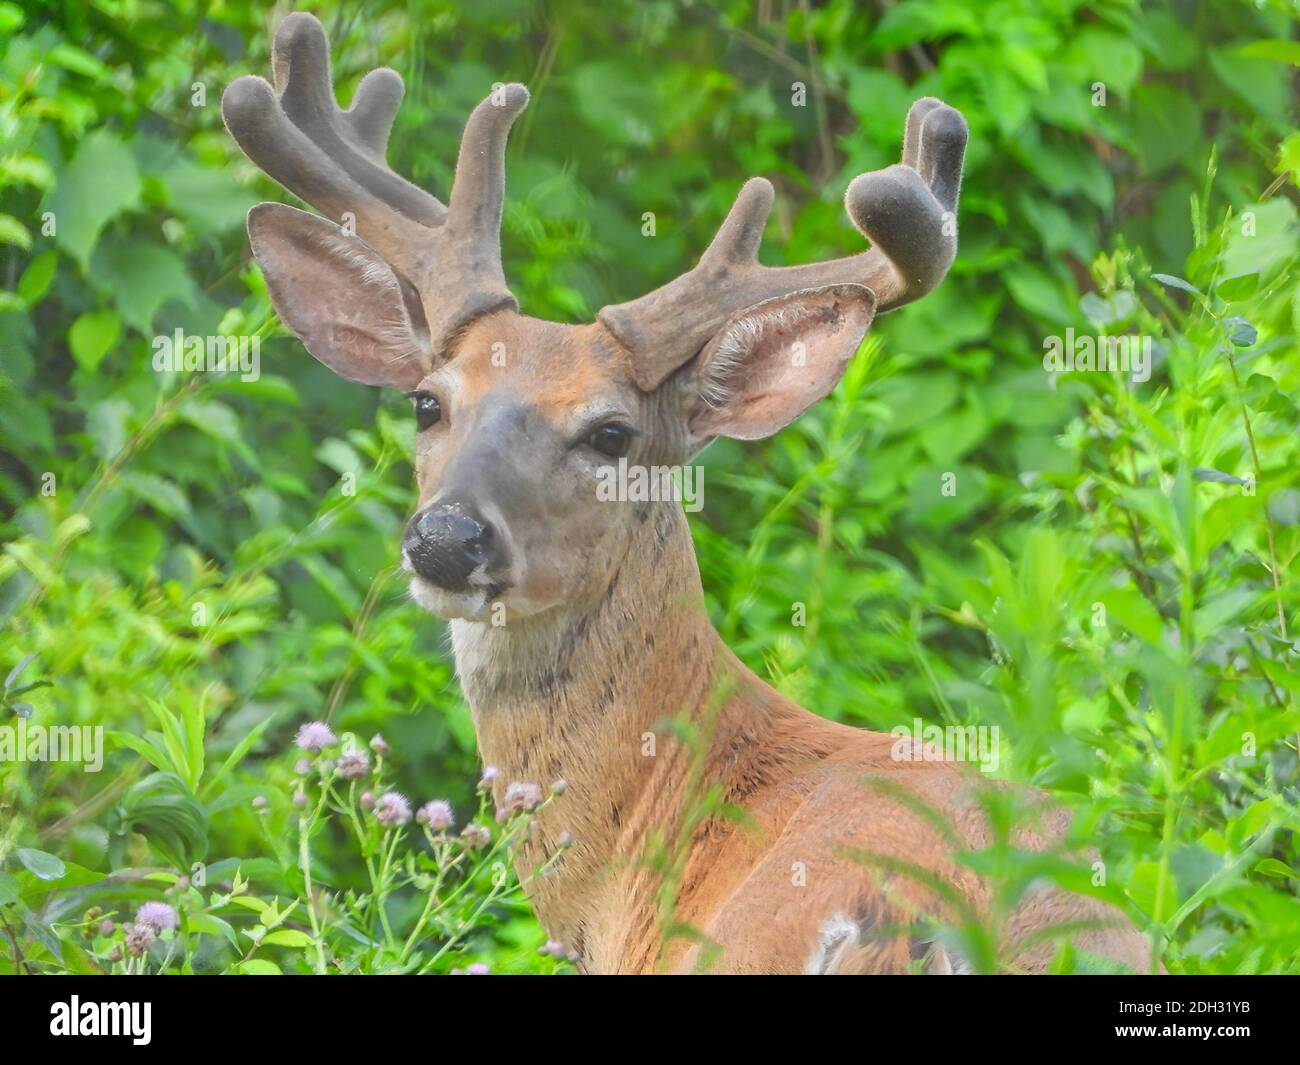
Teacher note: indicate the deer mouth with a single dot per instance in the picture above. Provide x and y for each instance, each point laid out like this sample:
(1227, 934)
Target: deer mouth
(474, 602)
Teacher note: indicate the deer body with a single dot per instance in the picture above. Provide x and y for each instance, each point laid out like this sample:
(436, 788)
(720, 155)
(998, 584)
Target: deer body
(578, 623)
(574, 696)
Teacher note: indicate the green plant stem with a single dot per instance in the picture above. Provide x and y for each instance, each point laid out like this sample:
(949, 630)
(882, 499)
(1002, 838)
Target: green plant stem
(304, 863)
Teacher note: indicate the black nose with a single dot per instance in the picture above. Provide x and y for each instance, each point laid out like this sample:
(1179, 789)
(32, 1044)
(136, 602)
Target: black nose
(448, 542)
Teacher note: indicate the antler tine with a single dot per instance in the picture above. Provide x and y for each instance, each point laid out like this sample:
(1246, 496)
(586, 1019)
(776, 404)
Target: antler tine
(907, 211)
(374, 106)
(741, 233)
(479, 190)
(331, 158)
(335, 160)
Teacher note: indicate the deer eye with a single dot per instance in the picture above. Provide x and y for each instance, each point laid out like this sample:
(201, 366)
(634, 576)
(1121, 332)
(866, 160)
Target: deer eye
(612, 440)
(427, 410)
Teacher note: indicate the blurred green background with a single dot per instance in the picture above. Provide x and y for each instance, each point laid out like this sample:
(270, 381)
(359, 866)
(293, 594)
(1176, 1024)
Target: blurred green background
(1110, 141)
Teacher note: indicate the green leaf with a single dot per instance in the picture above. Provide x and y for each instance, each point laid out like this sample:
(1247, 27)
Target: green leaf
(11, 17)
(1135, 613)
(71, 528)
(38, 276)
(33, 686)
(1179, 283)
(41, 863)
(1240, 332)
(1237, 287)
(141, 278)
(77, 60)
(177, 735)
(1039, 293)
(220, 422)
(1119, 307)
(1272, 867)
(154, 755)
(17, 671)
(209, 924)
(1204, 473)
(1276, 50)
(99, 183)
(340, 456)
(1256, 81)
(158, 492)
(162, 808)
(1288, 156)
(237, 755)
(207, 198)
(72, 875)
(27, 169)
(13, 231)
(289, 937)
(106, 424)
(8, 888)
(259, 967)
(1165, 121)
(92, 336)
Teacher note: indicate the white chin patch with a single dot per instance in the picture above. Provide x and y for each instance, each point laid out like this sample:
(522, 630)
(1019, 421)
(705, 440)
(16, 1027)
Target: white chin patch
(472, 605)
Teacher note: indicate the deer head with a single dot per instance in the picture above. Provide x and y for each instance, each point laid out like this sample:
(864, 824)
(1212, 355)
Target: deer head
(516, 417)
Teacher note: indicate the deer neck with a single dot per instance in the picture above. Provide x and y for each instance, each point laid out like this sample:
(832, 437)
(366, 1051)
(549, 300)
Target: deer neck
(581, 693)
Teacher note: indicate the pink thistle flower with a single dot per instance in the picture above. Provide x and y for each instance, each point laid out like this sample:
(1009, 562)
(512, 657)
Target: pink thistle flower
(354, 765)
(522, 795)
(392, 808)
(314, 736)
(139, 938)
(437, 814)
(476, 836)
(157, 915)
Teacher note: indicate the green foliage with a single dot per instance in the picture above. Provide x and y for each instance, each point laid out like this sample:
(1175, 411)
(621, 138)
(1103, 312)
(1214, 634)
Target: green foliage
(418, 909)
(199, 562)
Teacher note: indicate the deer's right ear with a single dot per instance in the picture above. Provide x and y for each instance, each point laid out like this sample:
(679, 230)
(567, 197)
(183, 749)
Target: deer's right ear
(340, 298)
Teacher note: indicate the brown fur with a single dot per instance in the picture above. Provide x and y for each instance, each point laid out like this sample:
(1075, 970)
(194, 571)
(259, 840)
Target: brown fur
(646, 652)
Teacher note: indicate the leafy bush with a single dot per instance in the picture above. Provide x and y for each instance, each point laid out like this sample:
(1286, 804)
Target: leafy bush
(416, 910)
(201, 563)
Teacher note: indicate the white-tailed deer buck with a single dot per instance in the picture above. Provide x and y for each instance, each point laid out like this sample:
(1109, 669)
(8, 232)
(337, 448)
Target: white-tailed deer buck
(605, 634)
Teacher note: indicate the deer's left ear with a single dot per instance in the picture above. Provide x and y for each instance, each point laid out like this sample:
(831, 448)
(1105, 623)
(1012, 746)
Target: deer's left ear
(770, 363)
